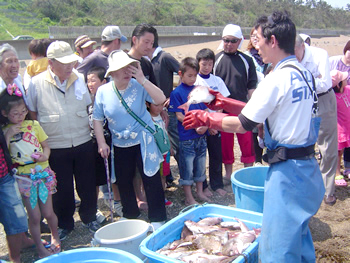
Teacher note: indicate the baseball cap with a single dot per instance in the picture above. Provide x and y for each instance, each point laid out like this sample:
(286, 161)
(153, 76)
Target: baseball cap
(112, 32)
(338, 76)
(62, 52)
(83, 42)
(118, 59)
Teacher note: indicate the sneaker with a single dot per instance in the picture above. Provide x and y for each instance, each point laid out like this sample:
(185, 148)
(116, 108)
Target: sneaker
(100, 218)
(93, 226)
(168, 203)
(63, 233)
(118, 208)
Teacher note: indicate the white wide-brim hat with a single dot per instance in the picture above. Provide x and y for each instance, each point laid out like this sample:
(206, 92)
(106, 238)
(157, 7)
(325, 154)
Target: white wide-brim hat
(119, 59)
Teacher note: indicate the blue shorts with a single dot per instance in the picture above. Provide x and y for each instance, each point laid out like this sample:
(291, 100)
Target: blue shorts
(12, 214)
(192, 157)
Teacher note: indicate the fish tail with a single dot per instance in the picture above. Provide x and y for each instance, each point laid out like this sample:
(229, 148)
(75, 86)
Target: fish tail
(184, 107)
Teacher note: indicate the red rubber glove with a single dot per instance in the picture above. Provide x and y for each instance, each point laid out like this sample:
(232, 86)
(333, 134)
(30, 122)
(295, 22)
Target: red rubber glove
(227, 104)
(197, 118)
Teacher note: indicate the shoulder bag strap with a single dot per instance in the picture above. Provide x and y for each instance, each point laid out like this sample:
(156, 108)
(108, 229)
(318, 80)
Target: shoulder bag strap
(130, 111)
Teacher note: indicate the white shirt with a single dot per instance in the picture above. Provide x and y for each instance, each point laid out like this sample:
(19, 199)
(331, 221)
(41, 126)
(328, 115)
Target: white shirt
(285, 100)
(317, 62)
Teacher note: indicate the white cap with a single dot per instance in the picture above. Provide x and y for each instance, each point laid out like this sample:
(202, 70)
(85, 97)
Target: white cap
(112, 32)
(62, 52)
(118, 59)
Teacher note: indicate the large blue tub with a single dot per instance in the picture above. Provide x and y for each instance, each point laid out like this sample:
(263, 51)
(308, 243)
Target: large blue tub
(171, 231)
(248, 187)
(92, 255)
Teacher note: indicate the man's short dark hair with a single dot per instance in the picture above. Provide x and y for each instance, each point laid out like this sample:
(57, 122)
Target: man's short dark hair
(143, 28)
(205, 54)
(188, 62)
(99, 71)
(282, 27)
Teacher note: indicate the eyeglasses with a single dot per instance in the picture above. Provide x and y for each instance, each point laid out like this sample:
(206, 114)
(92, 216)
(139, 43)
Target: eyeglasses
(233, 41)
(254, 36)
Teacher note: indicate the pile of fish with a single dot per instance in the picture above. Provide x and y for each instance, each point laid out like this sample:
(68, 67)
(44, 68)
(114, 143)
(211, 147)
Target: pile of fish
(210, 240)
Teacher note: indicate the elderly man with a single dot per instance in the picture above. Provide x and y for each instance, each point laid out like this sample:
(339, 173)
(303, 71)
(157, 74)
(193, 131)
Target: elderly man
(84, 46)
(58, 99)
(111, 40)
(238, 72)
(285, 100)
(317, 62)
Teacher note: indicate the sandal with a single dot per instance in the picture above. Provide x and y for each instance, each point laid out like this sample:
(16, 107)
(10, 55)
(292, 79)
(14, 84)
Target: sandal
(347, 173)
(54, 249)
(339, 181)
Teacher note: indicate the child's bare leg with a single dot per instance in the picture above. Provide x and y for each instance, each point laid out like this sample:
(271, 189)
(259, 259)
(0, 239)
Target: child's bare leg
(340, 155)
(140, 194)
(14, 243)
(116, 194)
(52, 221)
(34, 227)
(189, 200)
(163, 178)
(200, 193)
(228, 171)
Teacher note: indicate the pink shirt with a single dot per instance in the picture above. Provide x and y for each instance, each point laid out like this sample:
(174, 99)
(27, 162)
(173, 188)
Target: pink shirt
(343, 115)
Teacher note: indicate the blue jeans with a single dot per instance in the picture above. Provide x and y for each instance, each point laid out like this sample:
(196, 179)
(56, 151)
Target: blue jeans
(12, 214)
(192, 155)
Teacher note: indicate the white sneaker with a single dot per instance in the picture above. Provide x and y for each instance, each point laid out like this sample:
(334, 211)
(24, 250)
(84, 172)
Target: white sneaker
(100, 218)
(117, 207)
(157, 225)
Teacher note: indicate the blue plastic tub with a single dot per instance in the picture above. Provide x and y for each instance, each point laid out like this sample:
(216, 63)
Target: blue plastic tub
(248, 187)
(92, 255)
(171, 231)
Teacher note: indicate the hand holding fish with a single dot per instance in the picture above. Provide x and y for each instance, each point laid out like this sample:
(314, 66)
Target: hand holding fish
(197, 118)
(227, 104)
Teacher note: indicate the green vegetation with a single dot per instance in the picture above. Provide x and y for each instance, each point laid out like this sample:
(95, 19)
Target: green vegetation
(32, 17)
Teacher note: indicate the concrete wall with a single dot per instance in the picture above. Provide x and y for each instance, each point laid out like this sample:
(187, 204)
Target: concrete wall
(167, 41)
(171, 40)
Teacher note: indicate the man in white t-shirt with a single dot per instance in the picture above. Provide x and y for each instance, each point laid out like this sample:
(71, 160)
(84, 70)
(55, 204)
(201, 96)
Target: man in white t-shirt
(316, 61)
(285, 100)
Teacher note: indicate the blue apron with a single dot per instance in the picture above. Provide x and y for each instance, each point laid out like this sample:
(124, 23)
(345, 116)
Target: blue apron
(294, 191)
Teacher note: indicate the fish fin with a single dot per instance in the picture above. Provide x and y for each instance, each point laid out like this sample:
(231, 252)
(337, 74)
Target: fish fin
(184, 107)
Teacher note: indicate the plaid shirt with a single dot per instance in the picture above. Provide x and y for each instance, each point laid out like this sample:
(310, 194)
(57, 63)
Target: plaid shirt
(5, 158)
(3, 164)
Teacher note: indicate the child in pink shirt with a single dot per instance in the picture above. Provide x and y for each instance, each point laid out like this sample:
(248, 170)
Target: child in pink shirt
(342, 92)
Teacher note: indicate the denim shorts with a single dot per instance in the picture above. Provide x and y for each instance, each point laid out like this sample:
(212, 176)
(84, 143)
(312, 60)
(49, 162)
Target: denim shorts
(12, 214)
(192, 159)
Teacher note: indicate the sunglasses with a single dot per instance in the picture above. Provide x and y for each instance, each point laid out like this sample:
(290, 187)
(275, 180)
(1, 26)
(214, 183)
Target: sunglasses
(233, 41)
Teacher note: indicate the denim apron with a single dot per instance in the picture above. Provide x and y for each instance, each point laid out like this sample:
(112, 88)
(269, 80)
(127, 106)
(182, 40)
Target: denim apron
(294, 191)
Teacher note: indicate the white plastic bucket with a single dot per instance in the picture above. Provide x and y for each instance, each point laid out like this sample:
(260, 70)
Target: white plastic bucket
(124, 235)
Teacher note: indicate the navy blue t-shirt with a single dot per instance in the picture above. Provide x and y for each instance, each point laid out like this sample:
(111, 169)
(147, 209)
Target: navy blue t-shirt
(178, 97)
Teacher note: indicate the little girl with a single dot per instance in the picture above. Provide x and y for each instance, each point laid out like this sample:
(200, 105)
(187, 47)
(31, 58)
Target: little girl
(27, 143)
(155, 111)
(342, 92)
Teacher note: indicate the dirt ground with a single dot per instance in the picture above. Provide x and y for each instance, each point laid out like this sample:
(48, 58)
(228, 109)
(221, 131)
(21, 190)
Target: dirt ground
(330, 227)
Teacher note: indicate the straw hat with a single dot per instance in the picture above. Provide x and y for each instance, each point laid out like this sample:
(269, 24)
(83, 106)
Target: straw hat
(83, 42)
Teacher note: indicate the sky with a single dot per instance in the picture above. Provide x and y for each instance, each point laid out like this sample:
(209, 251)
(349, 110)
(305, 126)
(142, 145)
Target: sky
(338, 3)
